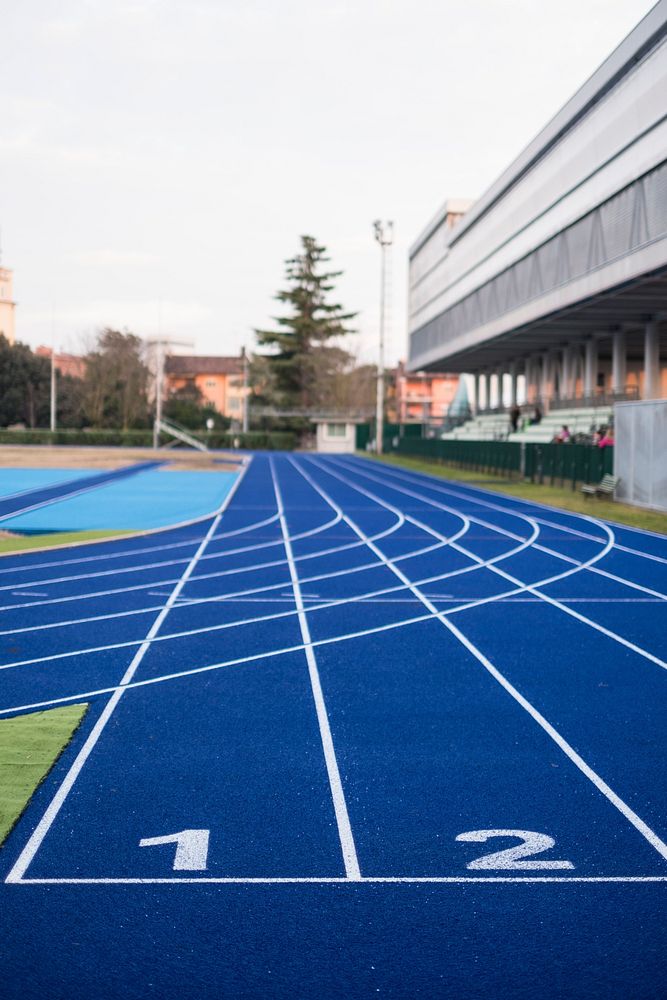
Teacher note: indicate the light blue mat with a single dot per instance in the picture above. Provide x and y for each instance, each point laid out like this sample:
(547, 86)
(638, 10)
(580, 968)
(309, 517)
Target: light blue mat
(21, 480)
(151, 499)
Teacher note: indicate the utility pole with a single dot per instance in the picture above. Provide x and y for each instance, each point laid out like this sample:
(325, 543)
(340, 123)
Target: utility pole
(384, 235)
(159, 379)
(160, 344)
(244, 356)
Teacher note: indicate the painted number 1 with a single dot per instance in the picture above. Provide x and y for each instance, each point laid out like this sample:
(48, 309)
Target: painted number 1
(191, 849)
(513, 857)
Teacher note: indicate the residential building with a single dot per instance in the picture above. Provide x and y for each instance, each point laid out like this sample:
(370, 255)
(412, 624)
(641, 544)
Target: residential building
(423, 396)
(66, 364)
(219, 380)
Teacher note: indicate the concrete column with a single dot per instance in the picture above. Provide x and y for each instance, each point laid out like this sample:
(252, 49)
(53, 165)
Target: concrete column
(545, 378)
(514, 372)
(619, 363)
(499, 387)
(651, 361)
(476, 406)
(591, 368)
(487, 390)
(567, 373)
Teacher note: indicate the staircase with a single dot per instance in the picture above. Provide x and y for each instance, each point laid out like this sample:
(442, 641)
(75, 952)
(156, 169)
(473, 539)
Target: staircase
(176, 431)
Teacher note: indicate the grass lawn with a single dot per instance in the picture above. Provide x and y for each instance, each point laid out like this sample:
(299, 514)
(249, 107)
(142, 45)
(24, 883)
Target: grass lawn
(29, 747)
(19, 543)
(554, 496)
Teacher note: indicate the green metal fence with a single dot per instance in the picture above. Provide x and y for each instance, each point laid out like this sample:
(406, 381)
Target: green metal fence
(392, 434)
(555, 464)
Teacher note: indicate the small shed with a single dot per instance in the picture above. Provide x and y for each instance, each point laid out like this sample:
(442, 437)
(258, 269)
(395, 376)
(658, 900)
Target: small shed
(336, 435)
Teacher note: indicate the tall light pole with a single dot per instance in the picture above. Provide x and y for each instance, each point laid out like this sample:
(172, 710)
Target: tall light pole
(54, 388)
(384, 235)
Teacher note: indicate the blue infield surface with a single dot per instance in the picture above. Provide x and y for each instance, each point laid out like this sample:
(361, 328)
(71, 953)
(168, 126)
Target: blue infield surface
(151, 498)
(360, 733)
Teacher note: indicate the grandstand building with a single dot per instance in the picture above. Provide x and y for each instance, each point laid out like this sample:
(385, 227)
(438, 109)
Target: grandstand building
(552, 287)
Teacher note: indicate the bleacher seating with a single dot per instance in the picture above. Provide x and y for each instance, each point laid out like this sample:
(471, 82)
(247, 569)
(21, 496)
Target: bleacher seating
(579, 420)
(494, 426)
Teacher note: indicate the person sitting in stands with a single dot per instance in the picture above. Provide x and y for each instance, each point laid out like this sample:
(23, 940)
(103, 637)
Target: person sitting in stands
(537, 416)
(606, 439)
(563, 435)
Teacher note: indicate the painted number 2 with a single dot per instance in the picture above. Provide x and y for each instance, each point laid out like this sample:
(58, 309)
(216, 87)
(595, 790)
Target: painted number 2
(191, 849)
(513, 857)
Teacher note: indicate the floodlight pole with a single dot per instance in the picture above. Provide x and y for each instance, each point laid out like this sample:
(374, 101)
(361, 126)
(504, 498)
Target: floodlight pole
(384, 235)
(53, 372)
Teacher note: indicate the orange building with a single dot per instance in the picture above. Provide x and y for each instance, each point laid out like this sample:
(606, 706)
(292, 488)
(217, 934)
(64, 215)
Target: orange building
(219, 379)
(423, 396)
(67, 364)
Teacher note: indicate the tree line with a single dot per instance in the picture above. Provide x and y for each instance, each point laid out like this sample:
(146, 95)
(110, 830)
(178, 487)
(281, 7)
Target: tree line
(115, 391)
(300, 367)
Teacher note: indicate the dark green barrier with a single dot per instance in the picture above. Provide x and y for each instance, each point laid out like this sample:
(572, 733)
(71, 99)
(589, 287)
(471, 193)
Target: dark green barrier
(551, 463)
(392, 432)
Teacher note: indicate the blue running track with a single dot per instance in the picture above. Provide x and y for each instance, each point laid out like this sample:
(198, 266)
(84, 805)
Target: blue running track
(362, 733)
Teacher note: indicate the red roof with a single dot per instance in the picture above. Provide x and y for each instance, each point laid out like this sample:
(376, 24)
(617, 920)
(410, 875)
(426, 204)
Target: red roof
(201, 364)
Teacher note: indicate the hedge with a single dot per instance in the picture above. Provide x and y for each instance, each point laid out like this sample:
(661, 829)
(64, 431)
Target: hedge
(253, 440)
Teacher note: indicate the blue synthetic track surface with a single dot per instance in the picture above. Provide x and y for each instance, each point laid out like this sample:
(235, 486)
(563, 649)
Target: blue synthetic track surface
(351, 694)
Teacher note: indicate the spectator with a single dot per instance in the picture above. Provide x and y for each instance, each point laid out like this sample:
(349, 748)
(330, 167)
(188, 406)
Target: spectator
(537, 416)
(562, 436)
(515, 413)
(606, 439)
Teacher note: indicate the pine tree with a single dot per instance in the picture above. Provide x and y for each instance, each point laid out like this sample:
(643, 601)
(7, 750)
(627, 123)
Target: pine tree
(299, 350)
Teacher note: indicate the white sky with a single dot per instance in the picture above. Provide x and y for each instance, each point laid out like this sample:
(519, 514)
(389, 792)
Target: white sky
(160, 158)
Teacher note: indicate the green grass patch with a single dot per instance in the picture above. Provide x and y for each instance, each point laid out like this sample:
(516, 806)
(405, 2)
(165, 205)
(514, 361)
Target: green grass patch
(19, 543)
(563, 497)
(29, 747)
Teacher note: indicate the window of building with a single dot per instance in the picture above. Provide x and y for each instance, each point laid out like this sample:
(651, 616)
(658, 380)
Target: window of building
(234, 403)
(210, 383)
(335, 430)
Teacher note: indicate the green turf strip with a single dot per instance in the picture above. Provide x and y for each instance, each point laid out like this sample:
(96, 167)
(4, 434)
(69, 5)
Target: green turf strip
(18, 543)
(29, 747)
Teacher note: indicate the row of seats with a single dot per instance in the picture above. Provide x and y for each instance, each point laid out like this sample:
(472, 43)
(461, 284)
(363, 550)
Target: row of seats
(495, 426)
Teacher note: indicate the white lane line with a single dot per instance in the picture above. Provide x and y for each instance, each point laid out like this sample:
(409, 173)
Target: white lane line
(598, 570)
(334, 603)
(214, 576)
(649, 835)
(144, 567)
(533, 588)
(233, 596)
(363, 880)
(201, 576)
(192, 542)
(28, 853)
(338, 795)
(441, 543)
(424, 480)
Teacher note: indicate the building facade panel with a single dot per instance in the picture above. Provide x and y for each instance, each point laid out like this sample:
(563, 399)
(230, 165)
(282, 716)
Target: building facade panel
(569, 244)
